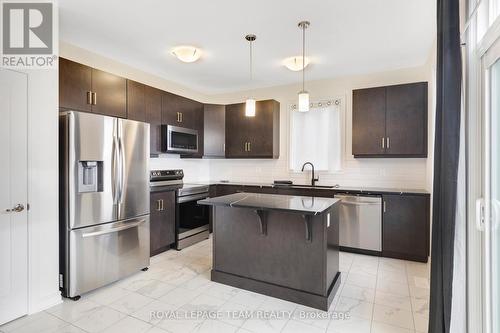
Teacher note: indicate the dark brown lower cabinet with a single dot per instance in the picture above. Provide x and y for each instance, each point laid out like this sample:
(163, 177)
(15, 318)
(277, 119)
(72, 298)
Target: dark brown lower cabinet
(162, 221)
(405, 227)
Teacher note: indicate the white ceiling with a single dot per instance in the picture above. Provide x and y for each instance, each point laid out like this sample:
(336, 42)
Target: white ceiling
(346, 37)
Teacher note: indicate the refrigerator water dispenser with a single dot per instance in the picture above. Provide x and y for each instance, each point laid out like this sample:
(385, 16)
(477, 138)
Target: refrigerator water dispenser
(89, 176)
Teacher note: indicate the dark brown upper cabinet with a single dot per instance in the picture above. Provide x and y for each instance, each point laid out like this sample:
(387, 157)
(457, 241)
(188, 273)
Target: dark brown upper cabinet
(75, 85)
(406, 120)
(109, 94)
(183, 112)
(237, 131)
(88, 89)
(214, 124)
(170, 114)
(406, 227)
(136, 101)
(390, 121)
(368, 121)
(152, 99)
(253, 137)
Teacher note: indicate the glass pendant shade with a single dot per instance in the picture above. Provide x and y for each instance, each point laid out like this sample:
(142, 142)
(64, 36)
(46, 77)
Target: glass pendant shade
(250, 107)
(303, 101)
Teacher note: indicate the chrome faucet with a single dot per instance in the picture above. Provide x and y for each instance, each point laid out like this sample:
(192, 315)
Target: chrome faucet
(313, 180)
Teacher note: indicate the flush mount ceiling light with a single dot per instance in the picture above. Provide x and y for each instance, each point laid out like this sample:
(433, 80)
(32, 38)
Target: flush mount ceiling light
(250, 102)
(186, 53)
(295, 63)
(303, 94)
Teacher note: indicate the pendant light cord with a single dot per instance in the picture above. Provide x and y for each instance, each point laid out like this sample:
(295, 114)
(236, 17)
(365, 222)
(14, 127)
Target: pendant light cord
(251, 62)
(303, 55)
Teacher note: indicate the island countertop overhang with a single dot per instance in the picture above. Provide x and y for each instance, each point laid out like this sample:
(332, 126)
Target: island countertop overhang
(260, 201)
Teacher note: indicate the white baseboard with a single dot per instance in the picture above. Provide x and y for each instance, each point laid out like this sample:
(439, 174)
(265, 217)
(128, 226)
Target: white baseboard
(44, 304)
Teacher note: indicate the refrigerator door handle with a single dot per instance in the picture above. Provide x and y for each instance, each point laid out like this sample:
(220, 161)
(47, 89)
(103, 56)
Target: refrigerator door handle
(122, 161)
(115, 170)
(109, 231)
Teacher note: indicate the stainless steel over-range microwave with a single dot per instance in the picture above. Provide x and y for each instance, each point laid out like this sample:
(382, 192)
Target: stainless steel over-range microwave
(179, 139)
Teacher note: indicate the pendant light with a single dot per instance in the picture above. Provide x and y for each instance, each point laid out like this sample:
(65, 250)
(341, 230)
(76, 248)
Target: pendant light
(250, 102)
(303, 94)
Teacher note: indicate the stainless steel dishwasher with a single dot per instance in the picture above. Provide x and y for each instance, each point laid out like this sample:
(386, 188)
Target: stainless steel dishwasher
(360, 222)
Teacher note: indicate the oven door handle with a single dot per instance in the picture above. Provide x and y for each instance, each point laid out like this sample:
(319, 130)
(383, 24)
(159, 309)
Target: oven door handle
(192, 197)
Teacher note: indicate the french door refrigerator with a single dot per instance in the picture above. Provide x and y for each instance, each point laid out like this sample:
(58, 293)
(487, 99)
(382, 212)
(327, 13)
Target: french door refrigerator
(104, 200)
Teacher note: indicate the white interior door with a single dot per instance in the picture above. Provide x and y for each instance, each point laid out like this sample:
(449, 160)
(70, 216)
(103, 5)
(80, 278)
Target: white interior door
(491, 272)
(13, 196)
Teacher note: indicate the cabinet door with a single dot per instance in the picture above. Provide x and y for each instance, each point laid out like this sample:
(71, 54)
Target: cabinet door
(75, 84)
(236, 131)
(406, 119)
(192, 116)
(152, 103)
(162, 227)
(214, 130)
(169, 109)
(368, 122)
(136, 101)
(263, 130)
(190, 112)
(406, 227)
(110, 94)
(180, 111)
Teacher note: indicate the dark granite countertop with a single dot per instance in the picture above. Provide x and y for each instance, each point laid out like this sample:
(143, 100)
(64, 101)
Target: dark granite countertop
(347, 189)
(259, 201)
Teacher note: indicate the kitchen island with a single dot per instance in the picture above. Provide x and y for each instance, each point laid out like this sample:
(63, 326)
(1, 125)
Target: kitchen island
(278, 245)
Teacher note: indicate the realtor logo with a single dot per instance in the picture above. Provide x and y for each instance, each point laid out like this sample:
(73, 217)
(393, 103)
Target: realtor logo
(28, 34)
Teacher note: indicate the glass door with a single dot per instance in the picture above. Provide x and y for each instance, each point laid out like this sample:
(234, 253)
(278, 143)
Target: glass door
(491, 273)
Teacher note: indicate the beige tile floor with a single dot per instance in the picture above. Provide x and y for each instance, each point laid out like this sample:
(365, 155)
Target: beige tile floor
(377, 295)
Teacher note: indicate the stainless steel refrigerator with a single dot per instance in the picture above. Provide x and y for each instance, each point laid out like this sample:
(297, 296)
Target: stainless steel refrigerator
(104, 200)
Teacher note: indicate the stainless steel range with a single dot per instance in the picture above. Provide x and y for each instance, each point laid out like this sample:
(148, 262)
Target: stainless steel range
(192, 220)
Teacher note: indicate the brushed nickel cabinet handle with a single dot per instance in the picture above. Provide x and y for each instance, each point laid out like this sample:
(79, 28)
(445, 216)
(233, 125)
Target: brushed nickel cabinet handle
(181, 117)
(17, 209)
(388, 142)
(89, 97)
(94, 98)
(385, 207)
(158, 205)
(162, 206)
(249, 146)
(383, 143)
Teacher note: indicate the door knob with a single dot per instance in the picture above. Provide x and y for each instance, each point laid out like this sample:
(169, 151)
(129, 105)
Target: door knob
(17, 208)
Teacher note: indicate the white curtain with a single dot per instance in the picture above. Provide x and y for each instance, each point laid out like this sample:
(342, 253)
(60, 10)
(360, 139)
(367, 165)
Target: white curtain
(315, 137)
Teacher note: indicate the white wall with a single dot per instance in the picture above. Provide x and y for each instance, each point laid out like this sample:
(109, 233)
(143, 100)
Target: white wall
(431, 65)
(374, 172)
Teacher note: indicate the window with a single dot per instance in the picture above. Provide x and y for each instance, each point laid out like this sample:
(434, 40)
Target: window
(315, 137)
